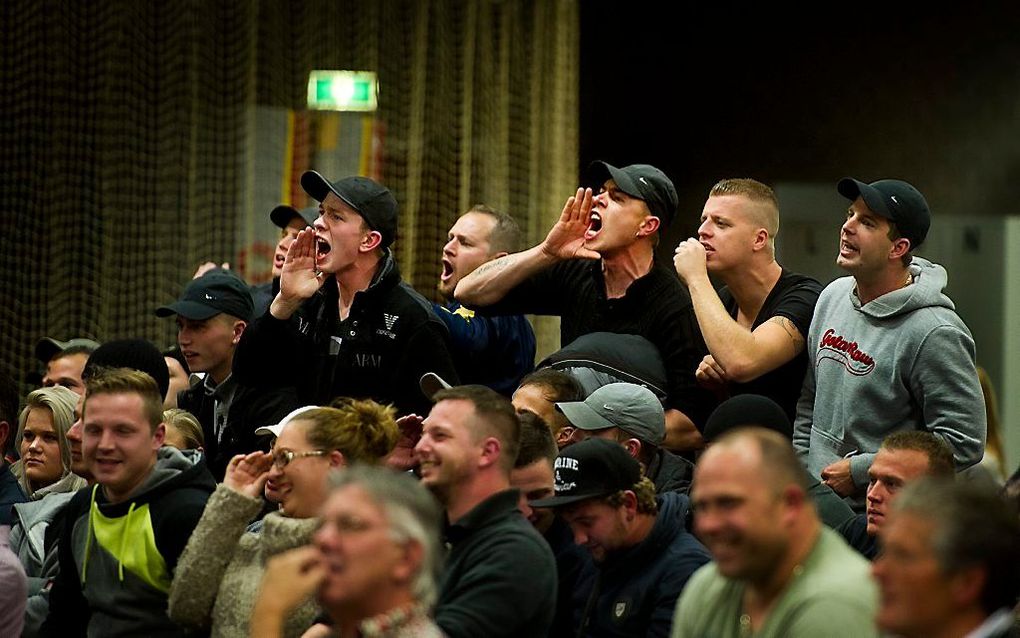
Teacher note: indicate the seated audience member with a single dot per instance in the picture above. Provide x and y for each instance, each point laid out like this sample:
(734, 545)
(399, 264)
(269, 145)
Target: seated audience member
(374, 561)
(949, 563)
(755, 325)
(632, 416)
(42, 443)
(212, 313)
(533, 477)
(64, 361)
(12, 593)
(539, 393)
(640, 556)
(180, 379)
(500, 575)
(903, 458)
(217, 577)
(106, 585)
(343, 321)
(776, 570)
(183, 431)
(753, 410)
(492, 351)
(10, 490)
(596, 270)
(600, 358)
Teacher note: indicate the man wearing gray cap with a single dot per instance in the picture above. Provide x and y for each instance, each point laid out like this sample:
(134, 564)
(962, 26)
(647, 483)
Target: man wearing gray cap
(65, 361)
(596, 270)
(632, 416)
(887, 351)
(343, 322)
(640, 555)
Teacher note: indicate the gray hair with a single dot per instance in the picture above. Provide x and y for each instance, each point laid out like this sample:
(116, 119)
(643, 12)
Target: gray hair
(973, 528)
(412, 514)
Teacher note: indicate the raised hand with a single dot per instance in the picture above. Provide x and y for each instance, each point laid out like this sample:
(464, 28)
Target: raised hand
(247, 473)
(298, 279)
(689, 259)
(566, 239)
(402, 456)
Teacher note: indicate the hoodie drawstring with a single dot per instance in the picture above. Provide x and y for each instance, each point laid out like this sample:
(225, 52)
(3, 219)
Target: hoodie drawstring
(93, 507)
(123, 541)
(88, 534)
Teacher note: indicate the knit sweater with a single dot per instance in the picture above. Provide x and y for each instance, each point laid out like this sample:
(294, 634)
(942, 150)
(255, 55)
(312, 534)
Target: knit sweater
(218, 575)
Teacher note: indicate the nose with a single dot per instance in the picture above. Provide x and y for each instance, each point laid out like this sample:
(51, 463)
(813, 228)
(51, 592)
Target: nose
(319, 223)
(275, 471)
(522, 505)
(105, 440)
(450, 247)
(35, 444)
(183, 336)
(704, 230)
(876, 493)
(74, 432)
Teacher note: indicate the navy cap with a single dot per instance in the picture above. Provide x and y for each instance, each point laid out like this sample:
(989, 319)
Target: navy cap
(642, 181)
(373, 201)
(211, 294)
(282, 214)
(895, 200)
(591, 469)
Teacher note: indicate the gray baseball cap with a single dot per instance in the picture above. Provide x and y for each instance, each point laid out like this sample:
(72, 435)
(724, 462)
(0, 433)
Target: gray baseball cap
(633, 408)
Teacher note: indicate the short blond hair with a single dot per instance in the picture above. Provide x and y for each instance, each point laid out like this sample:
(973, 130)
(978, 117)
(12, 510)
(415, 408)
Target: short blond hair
(127, 381)
(767, 209)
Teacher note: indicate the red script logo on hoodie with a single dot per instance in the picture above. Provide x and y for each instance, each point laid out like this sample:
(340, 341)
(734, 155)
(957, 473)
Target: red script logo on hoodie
(856, 361)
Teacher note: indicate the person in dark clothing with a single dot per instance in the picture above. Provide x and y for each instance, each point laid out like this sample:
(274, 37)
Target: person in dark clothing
(756, 325)
(539, 393)
(10, 491)
(620, 289)
(212, 313)
(492, 351)
(632, 416)
(640, 554)
(108, 586)
(64, 361)
(500, 576)
(343, 323)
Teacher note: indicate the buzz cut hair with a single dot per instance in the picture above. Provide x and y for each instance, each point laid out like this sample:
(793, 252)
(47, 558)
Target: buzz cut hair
(940, 457)
(506, 235)
(495, 416)
(767, 214)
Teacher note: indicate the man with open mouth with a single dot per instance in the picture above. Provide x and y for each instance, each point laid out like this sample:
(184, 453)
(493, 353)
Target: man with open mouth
(886, 350)
(343, 322)
(596, 270)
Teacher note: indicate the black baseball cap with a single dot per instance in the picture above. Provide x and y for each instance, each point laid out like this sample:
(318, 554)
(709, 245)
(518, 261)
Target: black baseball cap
(136, 354)
(373, 201)
(895, 200)
(48, 347)
(591, 469)
(642, 181)
(211, 294)
(282, 214)
(747, 410)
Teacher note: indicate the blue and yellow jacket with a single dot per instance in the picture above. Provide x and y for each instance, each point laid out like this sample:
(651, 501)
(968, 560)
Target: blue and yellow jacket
(117, 559)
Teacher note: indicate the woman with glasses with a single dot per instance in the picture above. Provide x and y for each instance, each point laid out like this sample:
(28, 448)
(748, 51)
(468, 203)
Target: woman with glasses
(217, 577)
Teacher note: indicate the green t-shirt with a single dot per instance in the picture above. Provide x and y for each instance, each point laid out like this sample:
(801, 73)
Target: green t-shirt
(834, 595)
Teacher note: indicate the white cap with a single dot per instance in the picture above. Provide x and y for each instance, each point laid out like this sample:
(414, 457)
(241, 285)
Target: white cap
(276, 429)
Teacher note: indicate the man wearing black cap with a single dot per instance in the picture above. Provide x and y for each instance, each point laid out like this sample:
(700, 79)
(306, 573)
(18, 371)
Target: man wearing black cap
(365, 333)
(641, 556)
(620, 289)
(212, 313)
(64, 361)
(887, 352)
(756, 324)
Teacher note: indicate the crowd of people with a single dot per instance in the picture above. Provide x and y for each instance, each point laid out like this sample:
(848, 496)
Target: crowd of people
(332, 454)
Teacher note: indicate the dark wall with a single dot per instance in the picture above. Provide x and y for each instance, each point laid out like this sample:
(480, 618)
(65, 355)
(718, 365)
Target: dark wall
(931, 96)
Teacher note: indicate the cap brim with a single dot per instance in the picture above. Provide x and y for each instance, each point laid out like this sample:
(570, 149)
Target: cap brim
(282, 214)
(430, 383)
(583, 417)
(188, 310)
(319, 187)
(46, 348)
(852, 189)
(269, 429)
(599, 172)
(560, 501)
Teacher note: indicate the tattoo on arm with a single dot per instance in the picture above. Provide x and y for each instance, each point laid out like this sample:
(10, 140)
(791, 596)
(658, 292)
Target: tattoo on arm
(496, 264)
(791, 330)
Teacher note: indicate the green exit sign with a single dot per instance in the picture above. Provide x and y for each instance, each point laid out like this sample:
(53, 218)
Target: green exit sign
(342, 90)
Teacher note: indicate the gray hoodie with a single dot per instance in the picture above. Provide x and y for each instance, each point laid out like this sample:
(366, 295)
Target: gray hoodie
(903, 361)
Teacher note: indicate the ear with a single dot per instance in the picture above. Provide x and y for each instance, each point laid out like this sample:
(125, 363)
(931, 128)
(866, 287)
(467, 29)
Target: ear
(761, 239)
(649, 225)
(491, 448)
(794, 500)
(501, 253)
(5, 431)
(239, 327)
(633, 447)
(159, 436)
(564, 435)
(967, 585)
(336, 459)
(629, 504)
(370, 241)
(410, 563)
(899, 248)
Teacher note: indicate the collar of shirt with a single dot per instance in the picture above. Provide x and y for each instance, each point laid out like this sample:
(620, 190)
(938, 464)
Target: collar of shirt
(995, 625)
(495, 508)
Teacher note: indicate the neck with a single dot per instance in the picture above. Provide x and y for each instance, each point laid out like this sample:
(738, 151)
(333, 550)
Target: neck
(348, 617)
(357, 277)
(751, 286)
(643, 524)
(220, 373)
(622, 268)
(884, 282)
(762, 593)
(957, 625)
(466, 496)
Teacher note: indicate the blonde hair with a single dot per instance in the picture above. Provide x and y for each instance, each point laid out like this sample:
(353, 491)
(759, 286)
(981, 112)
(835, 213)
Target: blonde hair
(185, 423)
(60, 402)
(361, 429)
(127, 381)
(766, 211)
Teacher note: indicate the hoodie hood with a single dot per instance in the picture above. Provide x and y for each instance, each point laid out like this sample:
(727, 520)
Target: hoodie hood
(925, 291)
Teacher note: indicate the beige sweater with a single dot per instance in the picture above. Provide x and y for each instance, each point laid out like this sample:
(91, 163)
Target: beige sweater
(218, 575)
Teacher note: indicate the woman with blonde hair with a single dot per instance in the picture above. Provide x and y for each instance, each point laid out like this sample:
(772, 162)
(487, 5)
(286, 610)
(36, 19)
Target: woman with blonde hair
(45, 465)
(217, 577)
(183, 431)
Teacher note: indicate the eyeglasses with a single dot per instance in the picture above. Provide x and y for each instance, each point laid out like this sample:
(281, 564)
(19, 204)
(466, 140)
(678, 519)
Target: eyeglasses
(282, 458)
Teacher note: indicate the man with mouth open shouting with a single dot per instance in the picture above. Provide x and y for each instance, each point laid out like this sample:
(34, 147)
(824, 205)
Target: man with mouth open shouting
(620, 289)
(343, 323)
(886, 349)
(755, 326)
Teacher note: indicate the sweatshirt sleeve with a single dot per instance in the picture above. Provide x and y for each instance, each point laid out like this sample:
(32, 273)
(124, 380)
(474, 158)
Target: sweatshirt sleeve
(264, 344)
(945, 382)
(208, 552)
(68, 611)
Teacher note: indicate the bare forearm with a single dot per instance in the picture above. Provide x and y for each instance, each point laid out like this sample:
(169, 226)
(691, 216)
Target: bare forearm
(727, 341)
(491, 281)
(681, 433)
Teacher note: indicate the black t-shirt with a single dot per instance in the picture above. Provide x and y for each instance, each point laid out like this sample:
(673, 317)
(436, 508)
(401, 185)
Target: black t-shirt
(794, 297)
(656, 306)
